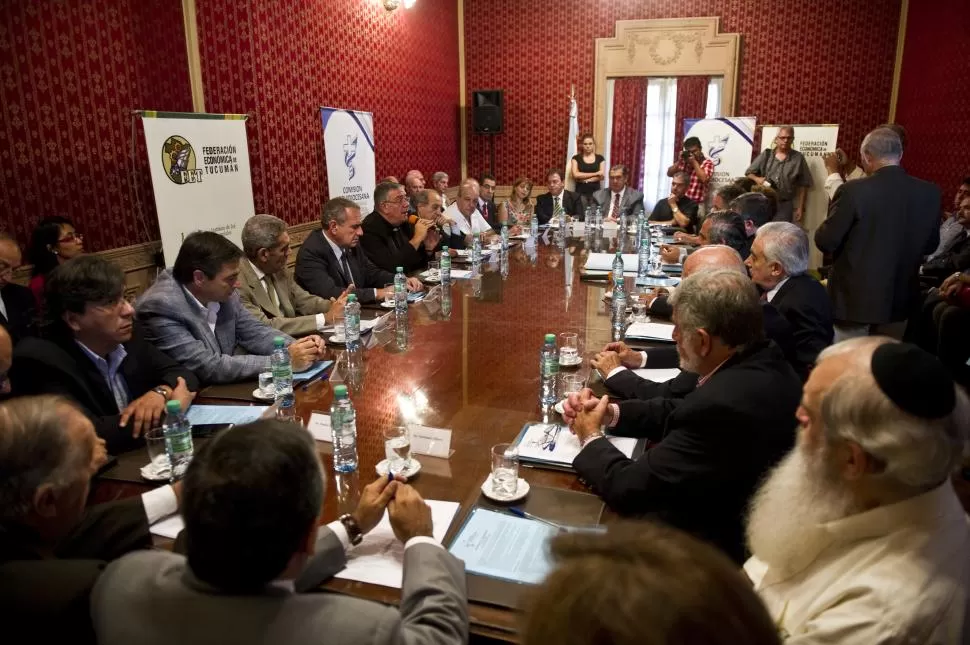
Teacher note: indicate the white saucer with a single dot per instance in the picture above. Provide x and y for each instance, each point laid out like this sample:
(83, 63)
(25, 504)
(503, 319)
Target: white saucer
(337, 341)
(149, 473)
(413, 469)
(387, 305)
(263, 397)
(521, 490)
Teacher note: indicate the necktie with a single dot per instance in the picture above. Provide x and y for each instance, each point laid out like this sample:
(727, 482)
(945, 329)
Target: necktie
(271, 290)
(348, 276)
(615, 209)
(555, 206)
(485, 211)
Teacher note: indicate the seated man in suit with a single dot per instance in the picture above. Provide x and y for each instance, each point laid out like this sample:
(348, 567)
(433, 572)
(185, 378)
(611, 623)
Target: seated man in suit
(388, 240)
(779, 266)
(619, 198)
(755, 209)
(267, 288)
(17, 304)
(677, 209)
(194, 314)
(251, 506)
(857, 536)
(558, 197)
(955, 257)
(92, 356)
(330, 259)
(486, 200)
(714, 443)
(52, 548)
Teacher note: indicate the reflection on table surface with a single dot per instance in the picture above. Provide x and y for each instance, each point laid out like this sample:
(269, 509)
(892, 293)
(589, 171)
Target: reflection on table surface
(471, 365)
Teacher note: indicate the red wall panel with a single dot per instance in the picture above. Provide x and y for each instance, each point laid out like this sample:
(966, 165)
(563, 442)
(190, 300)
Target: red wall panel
(71, 72)
(803, 61)
(932, 102)
(281, 61)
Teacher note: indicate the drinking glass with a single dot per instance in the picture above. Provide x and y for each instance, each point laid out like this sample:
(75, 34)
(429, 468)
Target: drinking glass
(571, 384)
(640, 308)
(397, 449)
(568, 348)
(266, 384)
(339, 329)
(434, 270)
(505, 469)
(388, 295)
(157, 455)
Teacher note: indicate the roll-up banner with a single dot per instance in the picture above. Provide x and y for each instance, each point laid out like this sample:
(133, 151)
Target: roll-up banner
(348, 143)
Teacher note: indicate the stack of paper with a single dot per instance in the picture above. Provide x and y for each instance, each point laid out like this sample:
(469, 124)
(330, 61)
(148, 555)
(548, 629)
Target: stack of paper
(604, 262)
(533, 444)
(651, 331)
(217, 414)
(503, 546)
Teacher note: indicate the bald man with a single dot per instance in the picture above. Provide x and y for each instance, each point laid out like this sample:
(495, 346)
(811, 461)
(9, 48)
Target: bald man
(17, 304)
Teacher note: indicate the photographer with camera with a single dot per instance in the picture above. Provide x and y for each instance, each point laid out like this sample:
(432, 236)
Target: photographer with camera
(699, 169)
(784, 169)
(839, 169)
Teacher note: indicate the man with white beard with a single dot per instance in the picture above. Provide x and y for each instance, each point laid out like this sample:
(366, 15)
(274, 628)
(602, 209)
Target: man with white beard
(857, 536)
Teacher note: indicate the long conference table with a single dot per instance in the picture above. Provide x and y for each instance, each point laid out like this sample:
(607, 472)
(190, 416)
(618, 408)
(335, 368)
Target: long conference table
(476, 368)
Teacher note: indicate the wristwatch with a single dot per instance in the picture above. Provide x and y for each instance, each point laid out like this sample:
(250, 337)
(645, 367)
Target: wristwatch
(166, 394)
(353, 529)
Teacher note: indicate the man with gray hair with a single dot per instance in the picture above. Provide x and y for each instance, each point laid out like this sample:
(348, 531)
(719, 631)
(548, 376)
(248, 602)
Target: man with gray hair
(712, 444)
(413, 182)
(619, 198)
(267, 288)
(857, 537)
(778, 264)
(53, 548)
(389, 239)
(784, 170)
(878, 230)
(439, 181)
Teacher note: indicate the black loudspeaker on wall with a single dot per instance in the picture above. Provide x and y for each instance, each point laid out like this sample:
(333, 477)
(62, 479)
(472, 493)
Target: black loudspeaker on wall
(487, 111)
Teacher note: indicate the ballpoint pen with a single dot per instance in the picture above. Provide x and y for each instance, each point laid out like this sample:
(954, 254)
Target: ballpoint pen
(518, 512)
(555, 435)
(325, 372)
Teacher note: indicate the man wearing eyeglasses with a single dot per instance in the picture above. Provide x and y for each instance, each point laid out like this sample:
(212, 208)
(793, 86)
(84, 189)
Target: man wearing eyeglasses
(784, 169)
(389, 240)
(17, 305)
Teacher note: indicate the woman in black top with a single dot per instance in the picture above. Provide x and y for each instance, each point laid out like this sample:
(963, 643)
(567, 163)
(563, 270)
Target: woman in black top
(588, 170)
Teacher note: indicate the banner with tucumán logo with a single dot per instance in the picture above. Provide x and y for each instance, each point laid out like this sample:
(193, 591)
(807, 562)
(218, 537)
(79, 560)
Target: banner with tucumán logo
(200, 175)
(348, 144)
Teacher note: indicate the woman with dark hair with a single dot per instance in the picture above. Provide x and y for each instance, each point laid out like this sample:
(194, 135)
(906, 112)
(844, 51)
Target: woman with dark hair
(588, 169)
(53, 242)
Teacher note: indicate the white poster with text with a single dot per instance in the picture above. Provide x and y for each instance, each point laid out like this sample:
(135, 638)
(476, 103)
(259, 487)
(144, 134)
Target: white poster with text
(200, 175)
(348, 144)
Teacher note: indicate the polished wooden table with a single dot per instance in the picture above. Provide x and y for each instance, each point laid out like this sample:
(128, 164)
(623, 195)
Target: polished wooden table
(474, 371)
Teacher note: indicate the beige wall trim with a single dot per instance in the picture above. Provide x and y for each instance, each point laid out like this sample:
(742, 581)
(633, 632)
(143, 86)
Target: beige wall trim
(668, 47)
(192, 49)
(462, 100)
(898, 66)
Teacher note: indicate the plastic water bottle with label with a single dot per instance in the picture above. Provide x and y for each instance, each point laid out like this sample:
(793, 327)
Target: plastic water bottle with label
(643, 258)
(534, 226)
(283, 380)
(476, 250)
(548, 371)
(352, 322)
(343, 425)
(401, 309)
(505, 236)
(618, 318)
(445, 265)
(178, 439)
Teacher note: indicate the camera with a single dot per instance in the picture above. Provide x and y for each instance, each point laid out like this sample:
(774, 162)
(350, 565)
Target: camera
(685, 154)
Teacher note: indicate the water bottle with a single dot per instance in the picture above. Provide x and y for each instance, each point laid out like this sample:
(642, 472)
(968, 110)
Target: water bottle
(505, 236)
(283, 380)
(343, 425)
(352, 322)
(534, 226)
(476, 250)
(562, 220)
(643, 258)
(598, 217)
(548, 371)
(618, 270)
(178, 439)
(618, 318)
(504, 264)
(446, 301)
(401, 308)
(445, 266)
(643, 226)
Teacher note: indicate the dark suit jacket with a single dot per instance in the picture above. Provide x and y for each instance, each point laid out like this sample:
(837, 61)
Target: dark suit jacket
(389, 247)
(48, 598)
(570, 203)
(489, 211)
(714, 445)
(21, 318)
(878, 230)
(803, 302)
(59, 366)
(318, 270)
(956, 258)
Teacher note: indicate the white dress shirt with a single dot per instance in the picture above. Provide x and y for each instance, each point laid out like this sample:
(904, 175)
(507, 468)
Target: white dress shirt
(210, 311)
(275, 296)
(833, 181)
(477, 226)
(771, 292)
(339, 253)
(895, 574)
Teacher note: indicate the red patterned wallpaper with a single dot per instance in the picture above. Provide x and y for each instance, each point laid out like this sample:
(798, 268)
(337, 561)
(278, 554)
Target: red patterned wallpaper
(803, 61)
(284, 60)
(932, 103)
(71, 72)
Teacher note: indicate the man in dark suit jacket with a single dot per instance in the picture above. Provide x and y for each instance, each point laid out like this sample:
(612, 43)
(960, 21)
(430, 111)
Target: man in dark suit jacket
(628, 200)
(92, 357)
(251, 531)
(330, 260)
(486, 201)
(388, 240)
(877, 231)
(955, 256)
(567, 200)
(714, 442)
(778, 264)
(18, 313)
(52, 549)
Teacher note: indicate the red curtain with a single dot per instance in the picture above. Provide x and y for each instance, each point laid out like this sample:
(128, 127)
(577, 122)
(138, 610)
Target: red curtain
(629, 126)
(691, 103)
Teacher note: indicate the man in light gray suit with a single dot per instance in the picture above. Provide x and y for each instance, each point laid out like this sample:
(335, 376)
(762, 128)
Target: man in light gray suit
(193, 313)
(619, 198)
(251, 502)
(267, 288)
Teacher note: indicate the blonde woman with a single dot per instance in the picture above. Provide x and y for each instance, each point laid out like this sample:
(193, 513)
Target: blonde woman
(516, 211)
